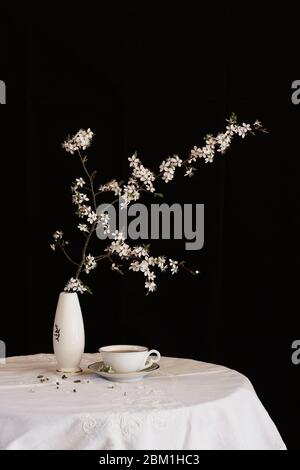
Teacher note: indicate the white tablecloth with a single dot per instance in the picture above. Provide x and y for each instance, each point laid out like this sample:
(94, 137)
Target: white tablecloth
(185, 404)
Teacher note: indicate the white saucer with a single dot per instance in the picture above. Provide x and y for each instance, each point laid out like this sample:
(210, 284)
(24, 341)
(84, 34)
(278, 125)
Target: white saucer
(98, 368)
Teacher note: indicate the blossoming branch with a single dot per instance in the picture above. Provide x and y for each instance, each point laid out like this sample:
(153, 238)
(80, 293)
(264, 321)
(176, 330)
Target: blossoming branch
(142, 179)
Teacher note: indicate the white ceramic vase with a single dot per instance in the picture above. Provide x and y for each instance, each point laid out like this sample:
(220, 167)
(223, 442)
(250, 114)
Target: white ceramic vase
(68, 334)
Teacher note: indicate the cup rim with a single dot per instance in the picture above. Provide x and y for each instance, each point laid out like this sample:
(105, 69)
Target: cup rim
(140, 348)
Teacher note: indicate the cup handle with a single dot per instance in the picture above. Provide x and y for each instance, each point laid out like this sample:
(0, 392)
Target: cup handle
(151, 360)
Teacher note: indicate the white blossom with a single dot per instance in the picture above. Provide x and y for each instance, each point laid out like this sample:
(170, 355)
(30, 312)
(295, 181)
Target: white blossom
(139, 251)
(134, 161)
(223, 141)
(161, 263)
(150, 286)
(115, 267)
(243, 129)
(130, 192)
(58, 239)
(173, 266)
(83, 227)
(112, 186)
(195, 154)
(189, 172)
(104, 220)
(220, 143)
(141, 173)
(119, 246)
(79, 182)
(81, 140)
(83, 210)
(134, 266)
(92, 216)
(117, 235)
(58, 235)
(208, 151)
(75, 285)
(144, 263)
(89, 263)
(79, 198)
(151, 276)
(168, 167)
(144, 267)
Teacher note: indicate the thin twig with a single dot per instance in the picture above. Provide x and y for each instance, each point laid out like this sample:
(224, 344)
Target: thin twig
(66, 254)
(101, 257)
(91, 179)
(80, 266)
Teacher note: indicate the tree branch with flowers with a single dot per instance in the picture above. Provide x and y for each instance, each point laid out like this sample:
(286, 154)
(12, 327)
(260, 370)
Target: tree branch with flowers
(85, 199)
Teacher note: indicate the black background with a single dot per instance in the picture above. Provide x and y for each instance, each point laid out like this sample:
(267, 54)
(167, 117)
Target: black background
(156, 79)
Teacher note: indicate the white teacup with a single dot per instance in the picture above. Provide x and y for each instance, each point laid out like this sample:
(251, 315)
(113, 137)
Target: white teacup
(124, 358)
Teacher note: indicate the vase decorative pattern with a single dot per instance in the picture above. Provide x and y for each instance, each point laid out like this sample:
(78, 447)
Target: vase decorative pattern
(68, 333)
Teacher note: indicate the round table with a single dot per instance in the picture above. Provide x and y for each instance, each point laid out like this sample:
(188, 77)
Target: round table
(185, 404)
